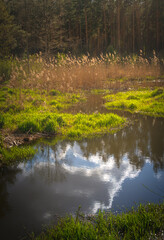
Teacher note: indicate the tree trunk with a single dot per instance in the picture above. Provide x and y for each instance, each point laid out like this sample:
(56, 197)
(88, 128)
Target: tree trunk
(133, 29)
(118, 25)
(105, 28)
(86, 28)
(157, 25)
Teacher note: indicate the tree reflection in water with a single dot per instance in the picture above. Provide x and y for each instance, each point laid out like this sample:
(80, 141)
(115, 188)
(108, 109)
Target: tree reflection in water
(104, 172)
(111, 158)
(140, 142)
(7, 177)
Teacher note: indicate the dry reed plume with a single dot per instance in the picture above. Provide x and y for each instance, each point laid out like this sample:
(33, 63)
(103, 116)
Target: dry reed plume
(69, 74)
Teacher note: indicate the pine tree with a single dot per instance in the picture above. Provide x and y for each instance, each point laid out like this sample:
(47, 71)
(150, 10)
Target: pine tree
(8, 32)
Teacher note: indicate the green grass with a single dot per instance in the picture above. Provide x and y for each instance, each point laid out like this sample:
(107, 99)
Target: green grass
(26, 100)
(149, 102)
(83, 125)
(146, 222)
(1, 121)
(27, 111)
(100, 91)
(67, 125)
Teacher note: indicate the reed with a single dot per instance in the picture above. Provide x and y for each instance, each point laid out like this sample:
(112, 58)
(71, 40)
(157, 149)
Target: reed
(68, 73)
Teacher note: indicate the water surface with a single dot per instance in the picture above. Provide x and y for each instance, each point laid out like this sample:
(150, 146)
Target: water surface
(113, 172)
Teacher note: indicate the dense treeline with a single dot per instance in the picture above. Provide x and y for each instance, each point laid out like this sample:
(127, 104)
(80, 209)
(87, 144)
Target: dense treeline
(81, 26)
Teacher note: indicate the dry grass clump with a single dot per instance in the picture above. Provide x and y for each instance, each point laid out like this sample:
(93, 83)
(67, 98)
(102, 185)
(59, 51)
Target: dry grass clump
(66, 73)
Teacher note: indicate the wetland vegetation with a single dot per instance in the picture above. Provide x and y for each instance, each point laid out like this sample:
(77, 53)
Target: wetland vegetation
(54, 57)
(145, 222)
(36, 105)
(145, 101)
(39, 112)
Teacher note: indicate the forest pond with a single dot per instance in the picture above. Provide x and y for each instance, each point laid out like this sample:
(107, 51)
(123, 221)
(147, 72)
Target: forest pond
(113, 172)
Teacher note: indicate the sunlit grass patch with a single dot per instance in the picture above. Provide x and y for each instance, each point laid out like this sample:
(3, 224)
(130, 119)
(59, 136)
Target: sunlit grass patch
(59, 124)
(150, 102)
(84, 125)
(146, 222)
(40, 122)
(32, 111)
(68, 125)
(13, 101)
(155, 109)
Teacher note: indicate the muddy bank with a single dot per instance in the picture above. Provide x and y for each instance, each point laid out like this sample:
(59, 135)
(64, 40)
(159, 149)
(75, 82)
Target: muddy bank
(95, 104)
(11, 139)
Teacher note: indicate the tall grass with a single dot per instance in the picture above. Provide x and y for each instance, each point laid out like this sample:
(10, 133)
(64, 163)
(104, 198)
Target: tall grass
(147, 222)
(5, 69)
(68, 73)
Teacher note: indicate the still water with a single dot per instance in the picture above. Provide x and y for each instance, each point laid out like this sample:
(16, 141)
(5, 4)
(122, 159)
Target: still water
(113, 172)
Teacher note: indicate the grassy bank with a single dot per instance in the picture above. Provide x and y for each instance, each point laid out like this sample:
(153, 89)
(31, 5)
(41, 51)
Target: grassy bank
(28, 112)
(37, 90)
(40, 112)
(149, 102)
(146, 222)
(15, 100)
(25, 111)
(67, 125)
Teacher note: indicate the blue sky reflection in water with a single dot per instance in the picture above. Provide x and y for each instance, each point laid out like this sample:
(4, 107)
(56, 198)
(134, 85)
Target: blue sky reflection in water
(111, 172)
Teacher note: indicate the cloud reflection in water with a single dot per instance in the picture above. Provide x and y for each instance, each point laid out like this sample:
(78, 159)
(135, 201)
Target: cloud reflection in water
(61, 164)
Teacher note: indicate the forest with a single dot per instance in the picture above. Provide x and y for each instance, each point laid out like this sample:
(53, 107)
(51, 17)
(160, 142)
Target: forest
(81, 26)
